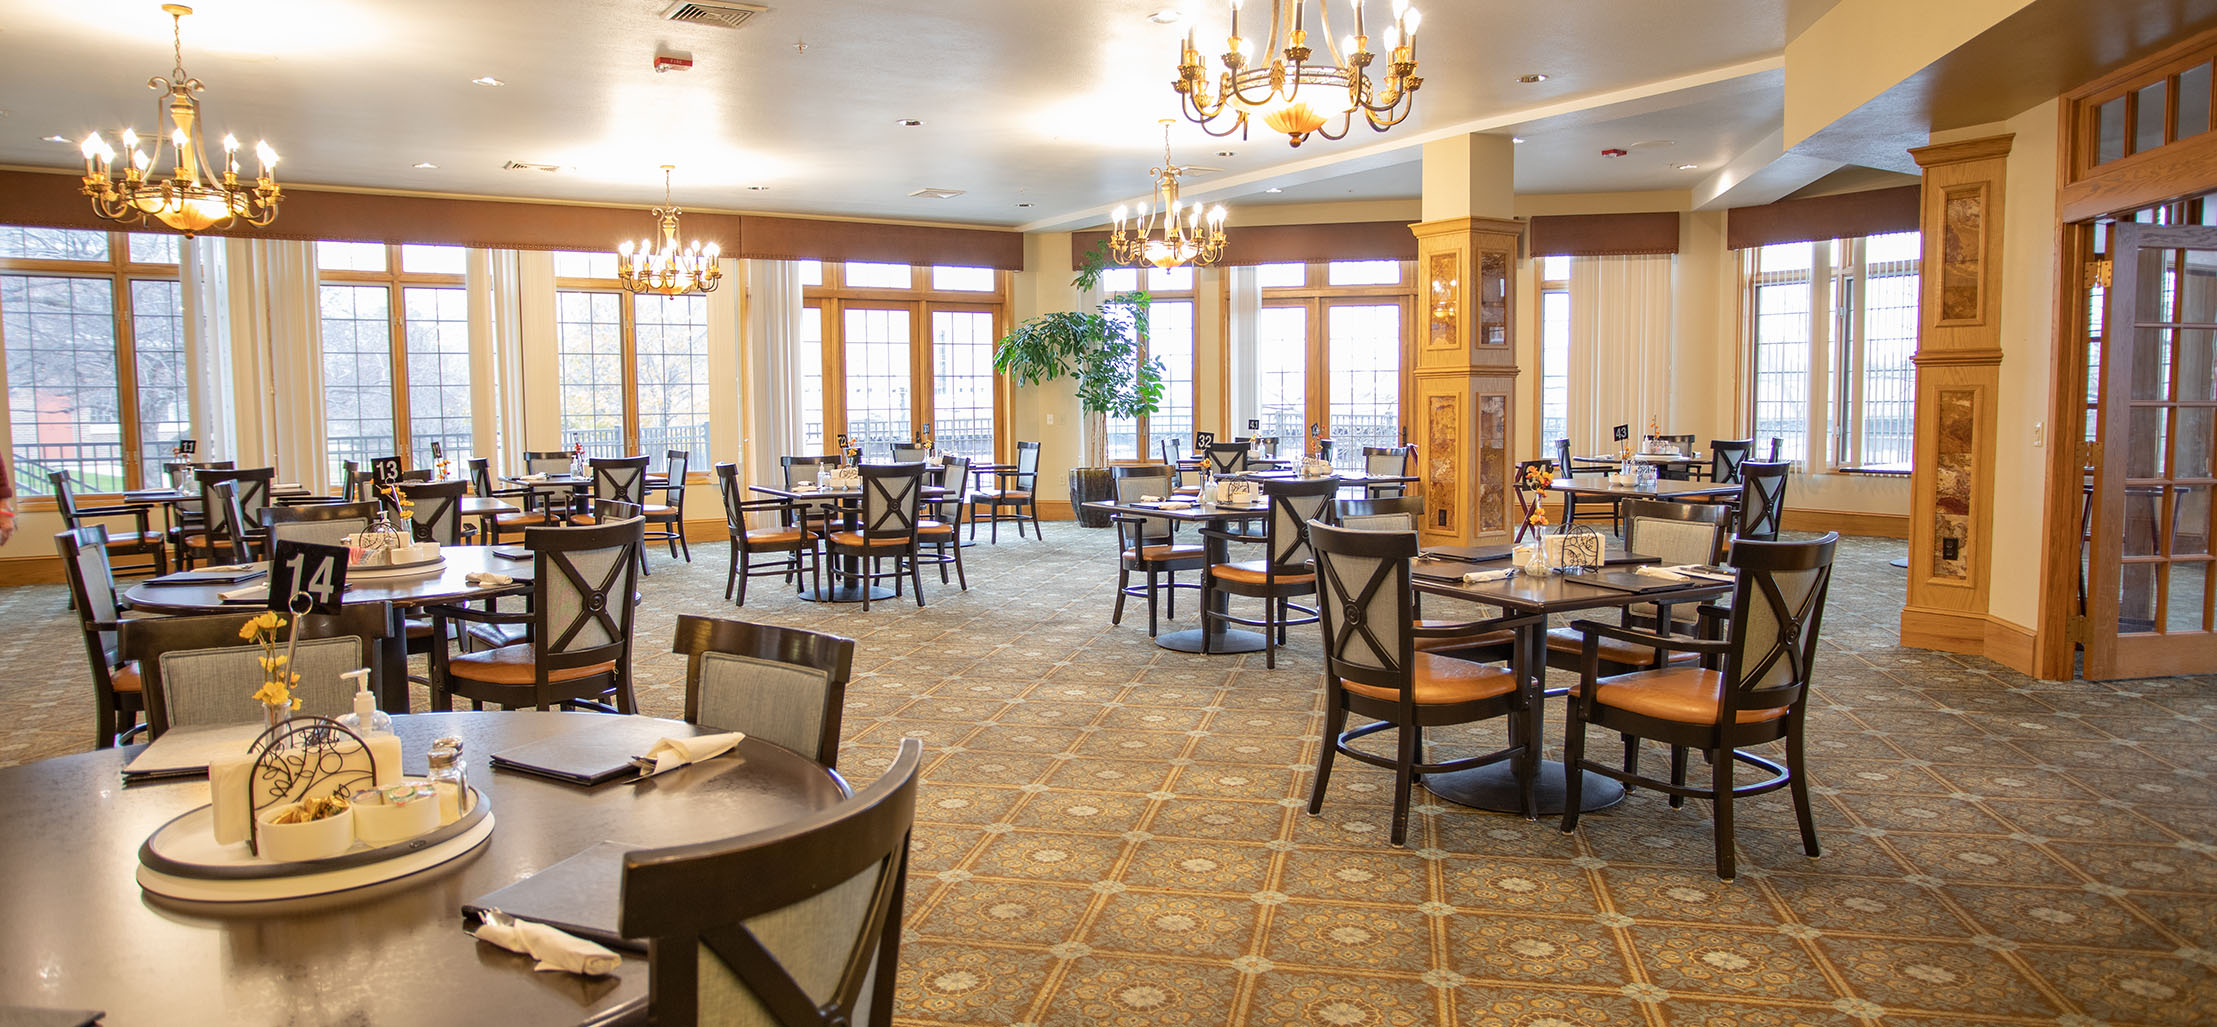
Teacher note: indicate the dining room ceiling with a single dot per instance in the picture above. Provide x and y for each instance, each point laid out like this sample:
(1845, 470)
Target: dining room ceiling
(1039, 114)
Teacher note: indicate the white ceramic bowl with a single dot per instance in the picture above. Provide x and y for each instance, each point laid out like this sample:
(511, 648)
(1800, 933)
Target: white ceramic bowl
(291, 843)
(387, 825)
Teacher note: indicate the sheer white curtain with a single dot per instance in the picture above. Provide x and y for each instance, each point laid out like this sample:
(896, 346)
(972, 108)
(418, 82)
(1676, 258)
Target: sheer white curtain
(210, 394)
(1620, 318)
(1243, 313)
(771, 407)
(276, 344)
(496, 358)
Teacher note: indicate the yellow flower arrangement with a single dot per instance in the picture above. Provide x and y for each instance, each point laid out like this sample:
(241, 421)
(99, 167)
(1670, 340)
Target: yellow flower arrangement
(277, 677)
(400, 502)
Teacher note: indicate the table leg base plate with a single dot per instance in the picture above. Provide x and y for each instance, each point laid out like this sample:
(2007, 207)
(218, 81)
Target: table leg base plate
(1494, 787)
(845, 594)
(1189, 641)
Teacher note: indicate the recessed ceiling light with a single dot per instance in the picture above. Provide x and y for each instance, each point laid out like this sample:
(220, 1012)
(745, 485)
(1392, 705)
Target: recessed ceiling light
(1532, 79)
(1023, 204)
(909, 122)
(55, 139)
(1688, 167)
(1273, 189)
(426, 165)
(1227, 153)
(487, 80)
(1167, 16)
(758, 188)
(1516, 139)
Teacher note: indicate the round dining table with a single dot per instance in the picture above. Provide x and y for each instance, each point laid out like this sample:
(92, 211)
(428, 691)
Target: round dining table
(82, 935)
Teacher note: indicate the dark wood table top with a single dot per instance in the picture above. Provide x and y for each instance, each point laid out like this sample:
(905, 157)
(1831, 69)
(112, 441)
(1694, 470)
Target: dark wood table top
(1598, 485)
(81, 934)
(1562, 593)
(155, 497)
(450, 584)
(780, 491)
(1201, 512)
(1645, 458)
(1349, 480)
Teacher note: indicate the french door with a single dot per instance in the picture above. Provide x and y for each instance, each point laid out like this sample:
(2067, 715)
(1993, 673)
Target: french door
(1334, 364)
(2149, 575)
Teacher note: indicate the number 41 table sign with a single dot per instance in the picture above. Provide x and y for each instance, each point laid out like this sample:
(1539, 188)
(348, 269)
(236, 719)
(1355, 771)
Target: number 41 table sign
(305, 577)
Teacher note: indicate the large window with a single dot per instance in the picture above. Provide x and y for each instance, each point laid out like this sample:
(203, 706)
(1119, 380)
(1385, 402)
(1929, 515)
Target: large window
(92, 324)
(632, 369)
(396, 353)
(889, 350)
(1329, 346)
(1169, 339)
(1554, 350)
(1835, 328)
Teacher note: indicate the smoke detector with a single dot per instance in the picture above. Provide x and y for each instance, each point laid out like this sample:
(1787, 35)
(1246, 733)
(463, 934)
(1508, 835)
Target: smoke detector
(1613, 152)
(727, 14)
(937, 194)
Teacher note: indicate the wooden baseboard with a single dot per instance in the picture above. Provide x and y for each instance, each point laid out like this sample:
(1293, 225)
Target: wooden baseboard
(1972, 634)
(1847, 522)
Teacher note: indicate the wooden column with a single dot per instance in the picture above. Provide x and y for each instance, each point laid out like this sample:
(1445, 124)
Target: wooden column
(1464, 401)
(1951, 507)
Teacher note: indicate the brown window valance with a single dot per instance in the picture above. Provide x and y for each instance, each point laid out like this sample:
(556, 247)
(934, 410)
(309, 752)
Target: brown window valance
(1846, 216)
(52, 201)
(1296, 244)
(1604, 235)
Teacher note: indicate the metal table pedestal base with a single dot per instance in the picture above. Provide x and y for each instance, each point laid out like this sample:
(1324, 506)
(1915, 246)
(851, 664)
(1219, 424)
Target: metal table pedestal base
(1493, 787)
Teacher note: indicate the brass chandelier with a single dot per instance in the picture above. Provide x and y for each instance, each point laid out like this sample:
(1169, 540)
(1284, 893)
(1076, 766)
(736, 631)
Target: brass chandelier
(191, 199)
(1184, 239)
(669, 268)
(1292, 94)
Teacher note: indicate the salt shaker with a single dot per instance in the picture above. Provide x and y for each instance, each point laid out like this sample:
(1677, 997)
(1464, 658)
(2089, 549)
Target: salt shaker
(450, 779)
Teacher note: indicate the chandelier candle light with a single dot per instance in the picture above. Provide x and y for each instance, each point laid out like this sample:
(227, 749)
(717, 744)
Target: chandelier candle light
(189, 200)
(1183, 239)
(670, 269)
(1274, 93)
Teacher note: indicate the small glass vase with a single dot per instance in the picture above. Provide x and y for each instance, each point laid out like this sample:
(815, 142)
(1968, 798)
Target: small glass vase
(276, 713)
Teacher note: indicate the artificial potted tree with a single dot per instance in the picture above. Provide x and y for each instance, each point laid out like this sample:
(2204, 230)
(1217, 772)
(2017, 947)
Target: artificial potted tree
(1101, 351)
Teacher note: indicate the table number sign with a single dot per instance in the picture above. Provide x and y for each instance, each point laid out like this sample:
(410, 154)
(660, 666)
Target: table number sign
(1621, 433)
(314, 573)
(1254, 424)
(385, 470)
(842, 442)
(1316, 429)
(1202, 440)
(187, 447)
(437, 453)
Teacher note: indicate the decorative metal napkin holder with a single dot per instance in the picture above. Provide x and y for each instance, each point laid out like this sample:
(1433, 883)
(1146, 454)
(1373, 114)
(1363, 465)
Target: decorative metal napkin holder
(1580, 546)
(304, 757)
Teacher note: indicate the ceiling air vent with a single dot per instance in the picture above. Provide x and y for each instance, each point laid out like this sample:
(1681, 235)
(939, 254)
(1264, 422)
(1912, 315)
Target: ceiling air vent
(937, 194)
(517, 165)
(717, 13)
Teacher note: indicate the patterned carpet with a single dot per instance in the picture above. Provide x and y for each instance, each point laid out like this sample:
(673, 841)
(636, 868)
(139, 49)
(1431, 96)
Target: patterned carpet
(1113, 833)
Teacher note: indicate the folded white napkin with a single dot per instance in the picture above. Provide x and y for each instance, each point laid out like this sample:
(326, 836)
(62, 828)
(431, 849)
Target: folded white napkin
(1150, 499)
(554, 948)
(249, 592)
(541, 476)
(672, 753)
(1665, 573)
(1174, 505)
(482, 578)
(1475, 577)
(285, 486)
(229, 567)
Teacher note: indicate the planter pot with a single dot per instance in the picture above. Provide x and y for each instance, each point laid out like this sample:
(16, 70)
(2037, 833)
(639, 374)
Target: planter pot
(1090, 485)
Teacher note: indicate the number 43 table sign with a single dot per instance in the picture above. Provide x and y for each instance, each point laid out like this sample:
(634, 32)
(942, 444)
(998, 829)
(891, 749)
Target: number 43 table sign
(305, 577)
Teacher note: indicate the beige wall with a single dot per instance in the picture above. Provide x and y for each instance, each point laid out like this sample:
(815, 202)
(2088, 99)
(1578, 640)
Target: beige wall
(2028, 332)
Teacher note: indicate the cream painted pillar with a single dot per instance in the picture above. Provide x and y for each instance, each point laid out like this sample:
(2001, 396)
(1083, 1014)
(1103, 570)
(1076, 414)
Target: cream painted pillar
(727, 376)
(1959, 354)
(1463, 410)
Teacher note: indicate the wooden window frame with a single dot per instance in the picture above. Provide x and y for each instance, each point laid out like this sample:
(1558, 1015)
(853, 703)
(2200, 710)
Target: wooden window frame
(834, 297)
(394, 280)
(1317, 294)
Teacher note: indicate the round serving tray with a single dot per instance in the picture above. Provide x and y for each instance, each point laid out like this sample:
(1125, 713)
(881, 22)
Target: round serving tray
(398, 570)
(183, 856)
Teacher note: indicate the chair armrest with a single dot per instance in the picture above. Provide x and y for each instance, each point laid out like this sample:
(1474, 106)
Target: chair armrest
(1221, 535)
(1596, 630)
(464, 613)
(136, 513)
(1476, 627)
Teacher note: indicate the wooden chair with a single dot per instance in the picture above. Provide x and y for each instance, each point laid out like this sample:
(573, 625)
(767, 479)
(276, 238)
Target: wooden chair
(227, 522)
(1388, 462)
(1393, 513)
(1014, 490)
(783, 685)
(788, 536)
(671, 511)
(1283, 573)
(322, 523)
(489, 525)
(942, 517)
(1149, 545)
(1170, 459)
(116, 688)
(1596, 509)
(1226, 457)
(197, 670)
(1674, 533)
(1528, 499)
(618, 479)
(805, 468)
(798, 924)
(1681, 444)
(891, 503)
(1776, 445)
(137, 540)
(1726, 456)
(437, 505)
(222, 539)
(1374, 670)
(910, 454)
(583, 602)
(1762, 500)
(1751, 687)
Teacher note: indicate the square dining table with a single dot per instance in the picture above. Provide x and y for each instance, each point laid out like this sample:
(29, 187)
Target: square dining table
(1212, 637)
(849, 593)
(1494, 786)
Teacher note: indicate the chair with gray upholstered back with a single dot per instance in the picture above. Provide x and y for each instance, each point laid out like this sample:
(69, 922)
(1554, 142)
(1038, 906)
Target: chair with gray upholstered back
(1388, 462)
(1726, 456)
(798, 924)
(115, 681)
(1762, 499)
(435, 510)
(1283, 573)
(782, 685)
(322, 523)
(892, 496)
(1227, 457)
(197, 670)
(1149, 544)
(1392, 513)
(1676, 534)
(584, 592)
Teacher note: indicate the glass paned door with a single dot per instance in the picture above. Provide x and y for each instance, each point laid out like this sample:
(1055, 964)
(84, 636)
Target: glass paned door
(1281, 378)
(1363, 371)
(2149, 582)
(962, 381)
(878, 379)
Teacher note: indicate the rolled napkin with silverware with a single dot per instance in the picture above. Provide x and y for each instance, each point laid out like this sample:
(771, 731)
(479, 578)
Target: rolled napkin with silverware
(485, 578)
(1664, 573)
(672, 753)
(554, 948)
(1478, 577)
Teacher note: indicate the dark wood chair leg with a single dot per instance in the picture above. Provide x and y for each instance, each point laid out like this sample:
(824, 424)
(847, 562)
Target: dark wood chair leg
(1631, 756)
(1123, 581)
(1037, 531)
(1335, 721)
(1404, 775)
(1721, 776)
(961, 578)
(1574, 756)
(1678, 773)
(1798, 787)
(915, 576)
(731, 575)
(103, 722)
(1153, 614)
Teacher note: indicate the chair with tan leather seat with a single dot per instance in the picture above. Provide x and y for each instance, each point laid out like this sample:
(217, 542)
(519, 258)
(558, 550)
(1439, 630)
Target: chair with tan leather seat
(1149, 545)
(1013, 489)
(1676, 534)
(666, 519)
(116, 688)
(942, 518)
(511, 517)
(892, 496)
(583, 604)
(1388, 462)
(1283, 573)
(1374, 668)
(198, 670)
(782, 685)
(617, 479)
(136, 539)
(249, 490)
(1751, 687)
(787, 534)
